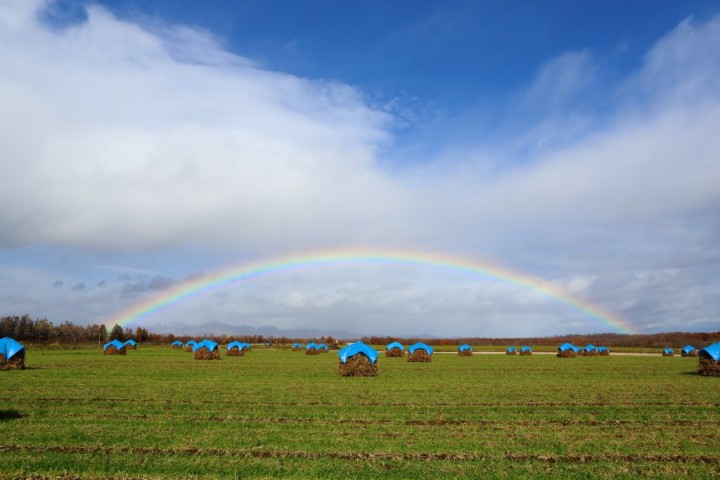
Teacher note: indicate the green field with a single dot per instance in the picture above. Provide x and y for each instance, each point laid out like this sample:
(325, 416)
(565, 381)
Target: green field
(157, 413)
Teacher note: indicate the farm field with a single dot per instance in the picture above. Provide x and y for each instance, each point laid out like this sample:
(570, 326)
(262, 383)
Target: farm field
(157, 413)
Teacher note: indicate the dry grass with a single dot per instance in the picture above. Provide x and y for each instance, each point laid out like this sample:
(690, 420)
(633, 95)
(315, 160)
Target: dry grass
(569, 353)
(17, 362)
(591, 353)
(203, 353)
(131, 347)
(525, 353)
(189, 348)
(295, 349)
(358, 365)
(709, 367)
(668, 354)
(419, 355)
(111, 350)
(394, 352)
(465, 353)
(235, 352)
(177, 347)
(513, 352)
(604, 353)
(312, 351)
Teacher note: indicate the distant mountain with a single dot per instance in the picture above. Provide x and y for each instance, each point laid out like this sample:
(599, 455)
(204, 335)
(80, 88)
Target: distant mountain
(220, 328)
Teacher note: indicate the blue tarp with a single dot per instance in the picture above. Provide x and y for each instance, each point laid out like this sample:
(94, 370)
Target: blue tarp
(421, 346)
(131, 342)
(115, 343)
(312, 346)
(525, 348)
(392, 345)
(322, 346)
(238, 345)
(510, 349)
(668, 351)
(578, 349)
(464, 347)
(603, 349)
(176, 343)
(9, 347)
(191, 343)
(209, 344)
(566, 346)
(354, 349)
(297, 345)
(590, 347)
(687, 349)
(711, 352)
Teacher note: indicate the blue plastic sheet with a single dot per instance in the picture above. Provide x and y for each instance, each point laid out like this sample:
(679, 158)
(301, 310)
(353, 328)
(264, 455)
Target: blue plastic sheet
(131, 342)
(392, 345)
(191, 343)
(9, 347)
(526, 348)
(115, 343)
(322, 346)
(234, 344)
(464, 347)
(687, 349)
(566, 346)
(668, 351)
(510, 349)
(590, 347)
(312, 346)
(297, 345)
(177, 343)
(711, 352)
(603, 349)
(209, 344)
(421, 346)
(354, 349)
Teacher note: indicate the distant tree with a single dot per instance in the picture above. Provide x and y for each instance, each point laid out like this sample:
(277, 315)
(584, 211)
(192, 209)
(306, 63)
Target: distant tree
(117, 333)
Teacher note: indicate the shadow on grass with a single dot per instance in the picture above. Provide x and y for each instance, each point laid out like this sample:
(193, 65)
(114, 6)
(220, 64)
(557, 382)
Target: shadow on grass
(9, 415)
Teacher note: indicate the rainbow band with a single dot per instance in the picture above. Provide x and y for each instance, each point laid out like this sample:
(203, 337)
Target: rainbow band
(253, 270)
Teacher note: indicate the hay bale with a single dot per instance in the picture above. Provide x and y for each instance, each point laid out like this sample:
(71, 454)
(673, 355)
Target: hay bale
(419, 355)
(511, 352)
(569, 353)
(394, 352)
(17, 362)
(312, 351)
(296, 348)
(111, 350)
(591, 353)
(358, 365)
(604, 353)
(189, 348)
(668, 354)
(203, 353)
(235, 352)
(525, 353)
(692, 353)
(131, 347)
(465, 353)
(177, 347)
(709, 367)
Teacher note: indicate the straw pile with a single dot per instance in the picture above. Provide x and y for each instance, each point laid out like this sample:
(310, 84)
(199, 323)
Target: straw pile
(131, 347)
(569, 353)
(312, 351)
(709, 367)
(465, 353)
(111, 350)
(604, 353)
(358, 365)
(510, 352)
(17, 362)
(236, 352)
(394, 352)
(692, 353)
(203, 353)
(591, 353)
(189, 348)
(525, 352)
(295, 348)
(419, 355)
(668, 354)
(178, 347)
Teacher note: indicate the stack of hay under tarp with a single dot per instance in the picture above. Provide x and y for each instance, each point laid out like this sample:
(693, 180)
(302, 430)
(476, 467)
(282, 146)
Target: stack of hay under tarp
(689, 351)
(567, 350)
(322, 348)
(297, 346)
(12, 354)
(709, 360)
(465, 350)
(394, 349)
(668, 352)
(130, 344)
(591, 350)
(511, 351)
(176, 344)
(603, 351)
(189, 346)
(312, 349)
(420, 353)
(526, 350)
(358, 360)
(114, 347)
(206, 350)
(237, 349)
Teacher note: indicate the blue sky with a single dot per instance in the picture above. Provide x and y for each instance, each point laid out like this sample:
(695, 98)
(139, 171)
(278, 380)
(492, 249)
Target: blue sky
(155, 141)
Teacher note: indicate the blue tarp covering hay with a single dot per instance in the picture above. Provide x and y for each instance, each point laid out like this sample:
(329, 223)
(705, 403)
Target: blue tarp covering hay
(114, 347)
(603, 351)
(668, 352)
(567, 350)
(206, 350)
(709, 360)
(526, 350)
(176, 344)
(312, 349)
(689, 351)
(190, 345)
(358, 360)
(465, 350)
(591, 350)
(130, 344)
(237, 349)
(420, 352)
(511, 351)
(12, 354)
(297, 346)
(394, 349)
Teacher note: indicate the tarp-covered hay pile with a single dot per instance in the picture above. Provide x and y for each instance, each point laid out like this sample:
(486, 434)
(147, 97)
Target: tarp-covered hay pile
(526, 350)
(419, 355)
(511, 351)
(394, 352)
(358, 366)
(709, 361)
(177, 344)
(569, 353)
(668, 352)
(12, 354)
(465, 350)
(689, 351)
(131, 345)
(114, 347)
(203, 353)
(236, 352)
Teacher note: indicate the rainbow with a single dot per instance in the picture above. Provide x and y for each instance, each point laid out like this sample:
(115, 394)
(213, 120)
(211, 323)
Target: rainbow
(303, 261)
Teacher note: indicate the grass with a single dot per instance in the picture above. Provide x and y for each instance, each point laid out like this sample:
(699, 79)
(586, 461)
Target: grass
(157, 413)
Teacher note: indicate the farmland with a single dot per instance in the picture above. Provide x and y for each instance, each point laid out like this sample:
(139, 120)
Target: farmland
(156, 412)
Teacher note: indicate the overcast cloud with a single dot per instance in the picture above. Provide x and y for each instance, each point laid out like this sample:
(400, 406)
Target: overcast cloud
(132, 137)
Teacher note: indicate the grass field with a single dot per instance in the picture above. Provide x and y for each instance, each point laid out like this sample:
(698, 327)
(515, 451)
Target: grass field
(158, 413)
